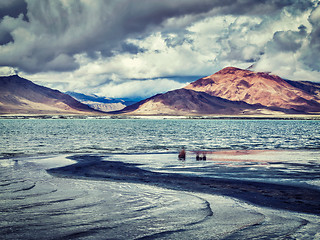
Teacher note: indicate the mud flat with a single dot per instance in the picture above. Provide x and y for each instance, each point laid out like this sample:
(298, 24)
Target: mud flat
(117, 197)
(280, 196)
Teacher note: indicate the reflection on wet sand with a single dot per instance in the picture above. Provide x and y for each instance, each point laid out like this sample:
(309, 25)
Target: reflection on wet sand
(134, 200)
(262, 193)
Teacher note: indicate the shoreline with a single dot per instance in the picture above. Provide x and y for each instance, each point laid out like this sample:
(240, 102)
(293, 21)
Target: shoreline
(159, 117)
(271, 195)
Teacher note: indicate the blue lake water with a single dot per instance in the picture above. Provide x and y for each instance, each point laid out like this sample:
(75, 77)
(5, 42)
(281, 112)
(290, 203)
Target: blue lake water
(36, 136)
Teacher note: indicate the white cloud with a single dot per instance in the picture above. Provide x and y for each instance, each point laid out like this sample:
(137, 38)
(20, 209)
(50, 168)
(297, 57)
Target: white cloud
(145, 88)
(6, 71)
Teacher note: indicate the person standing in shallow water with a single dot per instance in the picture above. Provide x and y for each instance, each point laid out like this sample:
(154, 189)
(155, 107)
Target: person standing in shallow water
(182, 154)
(198, 158)
(203, 158)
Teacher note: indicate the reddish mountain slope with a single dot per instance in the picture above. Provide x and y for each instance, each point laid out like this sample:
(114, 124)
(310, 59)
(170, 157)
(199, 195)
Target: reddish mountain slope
(189, 102)
(260, 88)
(21, 96)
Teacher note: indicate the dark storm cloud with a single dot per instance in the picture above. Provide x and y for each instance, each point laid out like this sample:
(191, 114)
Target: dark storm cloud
(5, 37)
(130, 48)
(51, 33)
(13, 8)
(263, 7)
(288, 41)
(73, 27)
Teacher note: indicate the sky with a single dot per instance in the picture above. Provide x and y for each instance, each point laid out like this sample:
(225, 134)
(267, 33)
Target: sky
(138, 48)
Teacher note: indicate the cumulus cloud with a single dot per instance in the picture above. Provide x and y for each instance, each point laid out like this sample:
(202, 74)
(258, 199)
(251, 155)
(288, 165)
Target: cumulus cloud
(116, 47)
(311, 51)
(142, 89)
(72, 27)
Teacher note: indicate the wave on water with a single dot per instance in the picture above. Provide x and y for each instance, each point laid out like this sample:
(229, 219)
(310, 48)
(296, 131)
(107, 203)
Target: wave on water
(37, 137)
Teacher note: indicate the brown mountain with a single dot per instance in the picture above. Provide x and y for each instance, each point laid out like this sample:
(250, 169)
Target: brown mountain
(189, 102)
(260, 88)
(233, 91)
(21, 96)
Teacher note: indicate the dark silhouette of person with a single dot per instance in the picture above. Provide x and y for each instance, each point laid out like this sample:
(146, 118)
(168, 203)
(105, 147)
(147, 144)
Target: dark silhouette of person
(202, 158)
(182, 154)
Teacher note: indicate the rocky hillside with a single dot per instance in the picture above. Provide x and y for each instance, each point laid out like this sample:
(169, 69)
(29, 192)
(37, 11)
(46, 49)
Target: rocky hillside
(189, 102)
(233, 91)
(21, 96)
(260, 88)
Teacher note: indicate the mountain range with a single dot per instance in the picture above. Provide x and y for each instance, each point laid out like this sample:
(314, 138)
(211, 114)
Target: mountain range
(103, 103)
(260, 88)
(234, 91)
(21, 96)
(230, 91)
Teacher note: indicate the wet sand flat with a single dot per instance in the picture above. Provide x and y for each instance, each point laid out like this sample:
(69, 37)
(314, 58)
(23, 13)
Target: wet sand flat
(280, 196)
(96, 196)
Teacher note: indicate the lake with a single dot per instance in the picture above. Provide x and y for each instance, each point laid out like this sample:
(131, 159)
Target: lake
(122, 179)
(38, 136)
